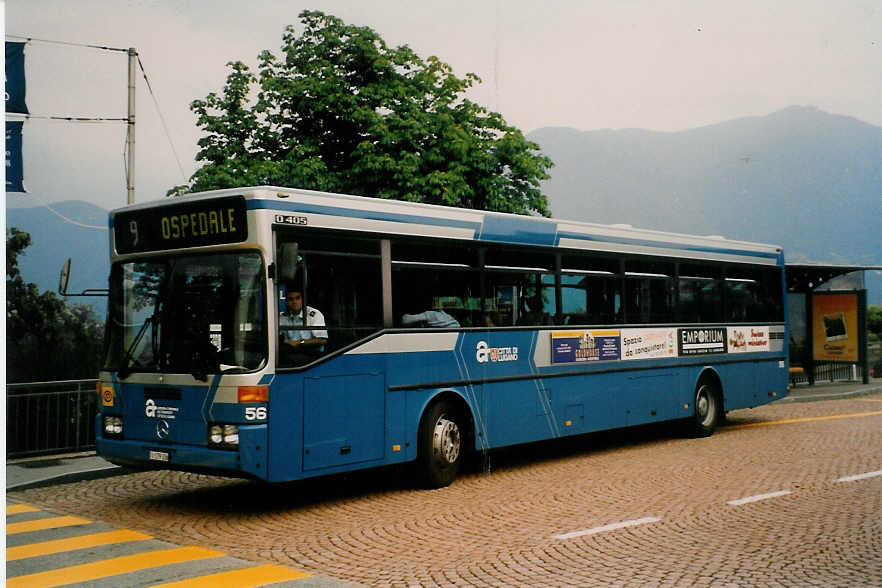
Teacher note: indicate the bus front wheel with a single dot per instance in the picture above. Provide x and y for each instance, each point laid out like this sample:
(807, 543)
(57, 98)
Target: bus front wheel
(708, 408)
(441, 444)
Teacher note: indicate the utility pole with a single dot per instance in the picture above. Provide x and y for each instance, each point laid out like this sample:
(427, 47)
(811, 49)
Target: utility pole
(130, 136)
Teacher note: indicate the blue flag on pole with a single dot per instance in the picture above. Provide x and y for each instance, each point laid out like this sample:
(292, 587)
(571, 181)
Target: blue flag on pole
(15, 78)
(14, 180)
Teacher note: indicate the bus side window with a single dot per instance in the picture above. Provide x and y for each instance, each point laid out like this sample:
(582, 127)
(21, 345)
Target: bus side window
(434, 286)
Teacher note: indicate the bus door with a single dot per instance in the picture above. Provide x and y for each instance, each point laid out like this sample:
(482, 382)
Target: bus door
(329, 297)
(344, 419)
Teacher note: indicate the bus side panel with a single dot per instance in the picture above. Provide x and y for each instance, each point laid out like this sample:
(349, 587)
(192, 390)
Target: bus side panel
(746, 385)
(773, 378)
(544, 408)
(652, 396)
(513, 414)
(739, 385)
(581, 404)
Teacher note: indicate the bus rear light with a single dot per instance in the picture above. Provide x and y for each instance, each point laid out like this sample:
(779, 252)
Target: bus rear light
(253, 394)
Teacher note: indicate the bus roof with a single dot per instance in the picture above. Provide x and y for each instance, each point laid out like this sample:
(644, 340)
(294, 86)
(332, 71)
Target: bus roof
(409, 218)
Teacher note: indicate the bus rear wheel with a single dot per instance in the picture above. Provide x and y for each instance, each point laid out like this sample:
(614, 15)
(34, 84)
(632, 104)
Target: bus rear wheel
(708, 408)
(441, 444)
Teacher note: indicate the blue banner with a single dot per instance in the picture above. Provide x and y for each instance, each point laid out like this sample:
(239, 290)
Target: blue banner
(579, 346)
(14, 181)
(15, 78)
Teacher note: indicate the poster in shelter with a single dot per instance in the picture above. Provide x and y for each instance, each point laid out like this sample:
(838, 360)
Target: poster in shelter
(835, 326)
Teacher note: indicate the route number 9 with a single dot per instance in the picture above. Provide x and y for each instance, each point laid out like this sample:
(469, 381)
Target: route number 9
(133, 230)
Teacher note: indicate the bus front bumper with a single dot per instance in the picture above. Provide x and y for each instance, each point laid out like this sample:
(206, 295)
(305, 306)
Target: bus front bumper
(248, 461)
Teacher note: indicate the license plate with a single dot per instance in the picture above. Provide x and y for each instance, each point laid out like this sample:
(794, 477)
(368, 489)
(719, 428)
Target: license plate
(158, 456)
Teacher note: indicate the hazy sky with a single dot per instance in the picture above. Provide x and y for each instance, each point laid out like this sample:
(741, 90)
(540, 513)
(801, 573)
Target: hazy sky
(627, 63)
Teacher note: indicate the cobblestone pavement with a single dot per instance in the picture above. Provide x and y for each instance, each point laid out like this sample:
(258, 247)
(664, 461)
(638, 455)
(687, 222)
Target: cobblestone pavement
(773, 499)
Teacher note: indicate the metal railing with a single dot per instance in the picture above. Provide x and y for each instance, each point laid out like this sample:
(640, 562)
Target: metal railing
(45, 418)
(830, 372)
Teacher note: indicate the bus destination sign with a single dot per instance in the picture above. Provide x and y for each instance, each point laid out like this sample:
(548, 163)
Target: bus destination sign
(207, 222)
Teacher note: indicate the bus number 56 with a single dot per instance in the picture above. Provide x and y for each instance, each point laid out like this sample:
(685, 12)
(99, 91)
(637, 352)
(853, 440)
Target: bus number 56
(255, 413)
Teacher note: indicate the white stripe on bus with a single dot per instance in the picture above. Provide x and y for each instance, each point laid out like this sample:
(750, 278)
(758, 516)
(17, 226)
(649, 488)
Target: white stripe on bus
(408, 343)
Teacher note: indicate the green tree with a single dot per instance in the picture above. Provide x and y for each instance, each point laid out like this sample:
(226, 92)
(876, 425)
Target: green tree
(45, 338)
(341, 111)
(874, 321)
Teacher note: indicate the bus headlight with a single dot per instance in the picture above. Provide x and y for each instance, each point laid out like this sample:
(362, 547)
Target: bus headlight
(231, 434)
(216, 434)
(113, 426)
(224, 436)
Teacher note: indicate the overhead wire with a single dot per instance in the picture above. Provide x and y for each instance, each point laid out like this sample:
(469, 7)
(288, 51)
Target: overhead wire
(65, 218)
(162, 119)
(77, 119)
(106, 119)
(68, 43)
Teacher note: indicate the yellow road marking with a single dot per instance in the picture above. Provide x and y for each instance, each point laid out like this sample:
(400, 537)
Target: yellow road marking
(112, 567)
(43, 524)
(869, 399)
(243, 578)
(73, 543)
(12, 509)
(805, 420)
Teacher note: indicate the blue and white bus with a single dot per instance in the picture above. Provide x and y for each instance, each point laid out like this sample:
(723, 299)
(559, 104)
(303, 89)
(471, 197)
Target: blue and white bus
(437, 332)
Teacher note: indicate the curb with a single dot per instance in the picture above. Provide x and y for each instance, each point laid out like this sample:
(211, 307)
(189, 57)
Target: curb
(70, 477)
(873, 389)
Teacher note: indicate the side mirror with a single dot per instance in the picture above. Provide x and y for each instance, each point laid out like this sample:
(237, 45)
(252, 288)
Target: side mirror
(287, 262)
(64, 278)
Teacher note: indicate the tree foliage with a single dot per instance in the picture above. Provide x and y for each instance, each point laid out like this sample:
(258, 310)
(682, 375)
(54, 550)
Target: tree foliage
(874, 320)
(45, 338)
(341, 111)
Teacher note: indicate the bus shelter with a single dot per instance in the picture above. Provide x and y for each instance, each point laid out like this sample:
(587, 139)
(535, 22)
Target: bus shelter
(828, 322)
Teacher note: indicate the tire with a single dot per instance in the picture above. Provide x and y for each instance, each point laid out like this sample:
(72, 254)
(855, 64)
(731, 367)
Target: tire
(708, 408)
(441, 446)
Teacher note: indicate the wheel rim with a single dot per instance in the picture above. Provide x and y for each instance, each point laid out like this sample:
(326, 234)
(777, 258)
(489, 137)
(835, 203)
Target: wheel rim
(705, 406)
(446, 440)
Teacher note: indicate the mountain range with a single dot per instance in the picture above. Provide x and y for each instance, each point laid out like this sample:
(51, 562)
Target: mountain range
(800, 178)
(73, 229)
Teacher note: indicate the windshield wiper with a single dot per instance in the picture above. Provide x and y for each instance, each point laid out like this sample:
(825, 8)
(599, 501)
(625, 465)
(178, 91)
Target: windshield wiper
(124, 370)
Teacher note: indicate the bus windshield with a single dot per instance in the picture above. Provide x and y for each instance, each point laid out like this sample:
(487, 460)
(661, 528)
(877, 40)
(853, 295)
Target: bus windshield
(195, 314)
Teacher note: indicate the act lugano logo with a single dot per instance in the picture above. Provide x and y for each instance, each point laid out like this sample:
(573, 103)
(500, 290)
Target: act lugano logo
(485, 353)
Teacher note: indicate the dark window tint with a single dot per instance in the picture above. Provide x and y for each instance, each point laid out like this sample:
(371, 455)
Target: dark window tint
(754, 295)
(700, 294)
(648, 292)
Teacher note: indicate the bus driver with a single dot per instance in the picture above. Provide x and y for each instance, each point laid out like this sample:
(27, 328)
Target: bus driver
(291, 323)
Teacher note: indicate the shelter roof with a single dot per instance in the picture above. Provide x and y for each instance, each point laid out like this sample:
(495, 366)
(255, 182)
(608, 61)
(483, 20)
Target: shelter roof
(806, 277)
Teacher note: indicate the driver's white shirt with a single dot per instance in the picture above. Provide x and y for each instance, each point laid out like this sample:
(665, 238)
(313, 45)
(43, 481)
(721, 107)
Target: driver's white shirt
(289, 325)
